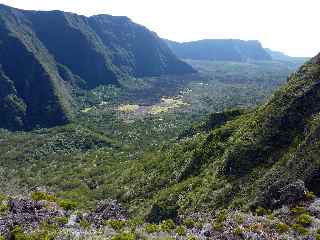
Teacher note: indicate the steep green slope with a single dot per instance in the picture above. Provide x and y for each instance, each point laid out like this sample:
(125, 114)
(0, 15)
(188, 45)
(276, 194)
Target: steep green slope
(46, 54)
(220, 50)
(75, 45)
(251, 159)
(40, 91)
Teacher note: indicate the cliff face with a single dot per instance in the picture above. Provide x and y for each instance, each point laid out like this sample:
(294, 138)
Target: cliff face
(41, 53)
(220, 50)
(37, 91)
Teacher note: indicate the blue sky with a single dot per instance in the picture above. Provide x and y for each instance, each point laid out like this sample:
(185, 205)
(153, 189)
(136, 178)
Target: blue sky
(291, 26)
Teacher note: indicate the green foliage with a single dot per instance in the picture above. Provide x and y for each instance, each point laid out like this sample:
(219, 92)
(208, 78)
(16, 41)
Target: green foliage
(199, 225)
(123, 236)
(192, 237)
(19, 234)
(152, 228)
(4, 208)
(181, 230)
(37, 196)
(117, 224)
(240, 219)
(189, 222)
(304, 220)
(238, 232)
(317, 234)
(300, 229)
(167, 225)
(282, 228)
(222, 216)
(310, 196)
(140, 159)
(298, 209)
(260, 211)
(67, 205)
(162, 211)
(3, 197)
(218, 226)
(61, 220)
(84, 223)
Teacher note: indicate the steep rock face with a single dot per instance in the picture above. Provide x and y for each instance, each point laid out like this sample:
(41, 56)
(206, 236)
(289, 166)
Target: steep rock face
(12, 108)
(220, 50)
(135, 49)
(72, 42)
(42, 54)
(37, 88)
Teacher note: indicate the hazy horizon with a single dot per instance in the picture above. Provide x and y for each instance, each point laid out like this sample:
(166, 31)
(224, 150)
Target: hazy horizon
(286, 26)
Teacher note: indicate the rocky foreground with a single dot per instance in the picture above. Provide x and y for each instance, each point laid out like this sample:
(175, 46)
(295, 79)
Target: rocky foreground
(43, 216)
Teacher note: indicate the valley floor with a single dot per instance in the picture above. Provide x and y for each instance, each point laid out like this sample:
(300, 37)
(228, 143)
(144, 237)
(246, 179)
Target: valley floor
(142, 146)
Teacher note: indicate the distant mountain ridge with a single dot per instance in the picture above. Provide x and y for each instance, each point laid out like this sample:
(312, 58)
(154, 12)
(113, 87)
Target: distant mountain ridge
(220, 50)
(280, 56)
(42, 54)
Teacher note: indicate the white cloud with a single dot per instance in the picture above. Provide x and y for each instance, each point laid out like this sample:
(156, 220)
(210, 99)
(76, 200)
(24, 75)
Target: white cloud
(287, 25)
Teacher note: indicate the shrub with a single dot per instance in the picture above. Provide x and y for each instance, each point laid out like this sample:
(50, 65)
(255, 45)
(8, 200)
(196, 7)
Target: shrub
(37, 196)
(133, 223)
(217, 226)
(181, 231)
(160, 212)
(310, 196)
(84, 223)
(282, 227)
(42, 235)
(123, 236)
(270, 216)
(4, 208)
(199, 225)
(300, 229)
(117, 224)
(239, 219)
(222, 216)
(304, 220)
(192, 237)
(167, 225)
(18, 233)
(238, 232)
(2, 237)
(61, 220)
(152, 228)
(260, 211)
(2, 197)
(238, 204)
(298, 210)
(189, 223)
(317, 236)
(67, 205)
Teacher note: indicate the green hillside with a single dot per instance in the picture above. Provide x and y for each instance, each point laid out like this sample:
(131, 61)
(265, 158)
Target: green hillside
(106, 134)
(45, 55)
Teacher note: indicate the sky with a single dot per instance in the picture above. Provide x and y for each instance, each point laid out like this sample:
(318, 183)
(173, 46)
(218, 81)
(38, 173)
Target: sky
(290, 26)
